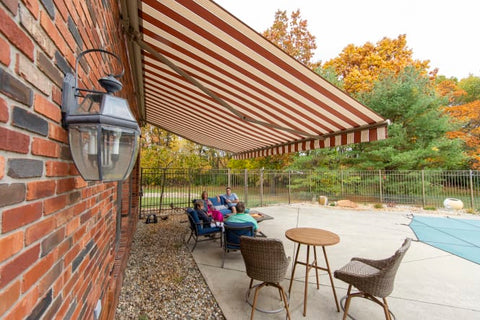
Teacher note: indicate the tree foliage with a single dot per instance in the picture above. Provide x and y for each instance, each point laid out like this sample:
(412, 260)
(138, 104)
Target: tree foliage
(468, 116)
(449, 89)
(464, 108)
(273, 162)
(417, 136)
(292, 36)
(329, 74)
(360, 67)
(471, 86)
(162, 149)
(320, 159)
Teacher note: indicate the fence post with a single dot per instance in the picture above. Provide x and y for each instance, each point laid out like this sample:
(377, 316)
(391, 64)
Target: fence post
(261, 187)
(341, 183)
(189, 177)
(380, 185)
(245, 190)
(141, 193)
(310, 184)
(229, 179)
(423, 189)
(289, 174)
(471, 189)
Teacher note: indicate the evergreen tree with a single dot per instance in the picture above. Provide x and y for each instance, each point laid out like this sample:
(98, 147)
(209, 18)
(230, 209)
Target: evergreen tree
(417, 136)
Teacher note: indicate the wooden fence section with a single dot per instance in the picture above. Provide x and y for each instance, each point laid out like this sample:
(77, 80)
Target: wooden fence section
(166, 188)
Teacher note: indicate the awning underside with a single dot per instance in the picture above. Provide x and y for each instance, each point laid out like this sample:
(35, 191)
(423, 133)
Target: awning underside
(209, 78)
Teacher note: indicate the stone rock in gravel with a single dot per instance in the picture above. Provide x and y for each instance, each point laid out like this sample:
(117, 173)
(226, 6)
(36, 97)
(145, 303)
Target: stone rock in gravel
(346, 204)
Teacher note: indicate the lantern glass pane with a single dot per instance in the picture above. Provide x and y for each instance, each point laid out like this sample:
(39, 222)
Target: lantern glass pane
(91, 104)
(119, 152)
(84, 149)
(135, 153)
(116, 107)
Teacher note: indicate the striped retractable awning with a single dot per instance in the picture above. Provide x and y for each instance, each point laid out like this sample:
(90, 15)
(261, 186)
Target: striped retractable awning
(206, 76)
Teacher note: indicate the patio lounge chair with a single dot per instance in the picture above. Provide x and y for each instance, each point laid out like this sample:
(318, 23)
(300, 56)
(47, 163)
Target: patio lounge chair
(373, 278)
(232, 234)
(265, 260)
(197, 229)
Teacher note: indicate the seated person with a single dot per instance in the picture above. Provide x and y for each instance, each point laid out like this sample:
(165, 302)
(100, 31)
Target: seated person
(211, 211)
(231, 199)
(242, 217)
(202, 214)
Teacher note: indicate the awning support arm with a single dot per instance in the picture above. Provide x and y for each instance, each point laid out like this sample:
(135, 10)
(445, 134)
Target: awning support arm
(129, 10)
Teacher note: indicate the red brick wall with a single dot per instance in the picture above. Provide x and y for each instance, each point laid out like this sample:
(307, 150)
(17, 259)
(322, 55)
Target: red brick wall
(58, 249)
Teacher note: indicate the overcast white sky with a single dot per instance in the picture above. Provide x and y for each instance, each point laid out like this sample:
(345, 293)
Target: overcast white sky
(446, 32)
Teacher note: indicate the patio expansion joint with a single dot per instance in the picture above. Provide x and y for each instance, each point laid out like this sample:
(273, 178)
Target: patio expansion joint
(432, 303)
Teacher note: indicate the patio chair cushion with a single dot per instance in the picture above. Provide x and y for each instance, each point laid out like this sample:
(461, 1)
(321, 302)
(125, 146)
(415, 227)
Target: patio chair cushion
(233, 232)
(194, 215)
(208, 230)
(219, 205)
(201, 228)
(197, 229)
(232, 236)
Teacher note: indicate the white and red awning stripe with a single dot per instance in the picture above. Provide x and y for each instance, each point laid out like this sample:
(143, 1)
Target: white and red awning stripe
(209, 78)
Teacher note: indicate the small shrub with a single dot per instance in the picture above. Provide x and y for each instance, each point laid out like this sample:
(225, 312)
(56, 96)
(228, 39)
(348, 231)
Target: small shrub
(471, 211)
(431, 208)
(378, 206)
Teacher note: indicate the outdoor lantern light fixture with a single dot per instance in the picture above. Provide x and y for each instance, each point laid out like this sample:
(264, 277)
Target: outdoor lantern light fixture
(102, 132)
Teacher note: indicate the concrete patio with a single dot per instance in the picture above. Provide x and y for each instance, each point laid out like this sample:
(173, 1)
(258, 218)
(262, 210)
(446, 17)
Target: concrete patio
(430, 284)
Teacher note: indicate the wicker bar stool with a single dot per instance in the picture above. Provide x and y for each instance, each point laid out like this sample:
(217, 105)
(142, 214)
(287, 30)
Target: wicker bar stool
(265, 260)
(373, 278)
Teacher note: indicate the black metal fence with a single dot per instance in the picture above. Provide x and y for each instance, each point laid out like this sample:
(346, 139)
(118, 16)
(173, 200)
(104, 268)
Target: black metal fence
(164, 188)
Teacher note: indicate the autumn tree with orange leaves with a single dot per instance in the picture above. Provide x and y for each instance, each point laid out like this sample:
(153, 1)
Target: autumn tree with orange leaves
(464, 99)
(292, 36)
(360, 67)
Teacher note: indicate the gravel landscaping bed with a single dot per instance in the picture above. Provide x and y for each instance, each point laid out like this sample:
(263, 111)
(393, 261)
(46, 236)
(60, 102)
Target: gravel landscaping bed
(162, 280)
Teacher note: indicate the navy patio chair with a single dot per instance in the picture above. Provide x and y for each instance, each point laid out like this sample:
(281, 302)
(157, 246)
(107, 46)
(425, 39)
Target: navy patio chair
(231, 236)
(199, 232)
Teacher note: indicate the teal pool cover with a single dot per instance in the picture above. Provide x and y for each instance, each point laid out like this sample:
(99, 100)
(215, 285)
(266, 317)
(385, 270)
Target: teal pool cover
(460, 237)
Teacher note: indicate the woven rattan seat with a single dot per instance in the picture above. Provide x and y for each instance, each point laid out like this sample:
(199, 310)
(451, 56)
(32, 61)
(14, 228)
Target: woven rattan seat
(373, 278)
(265, 261)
